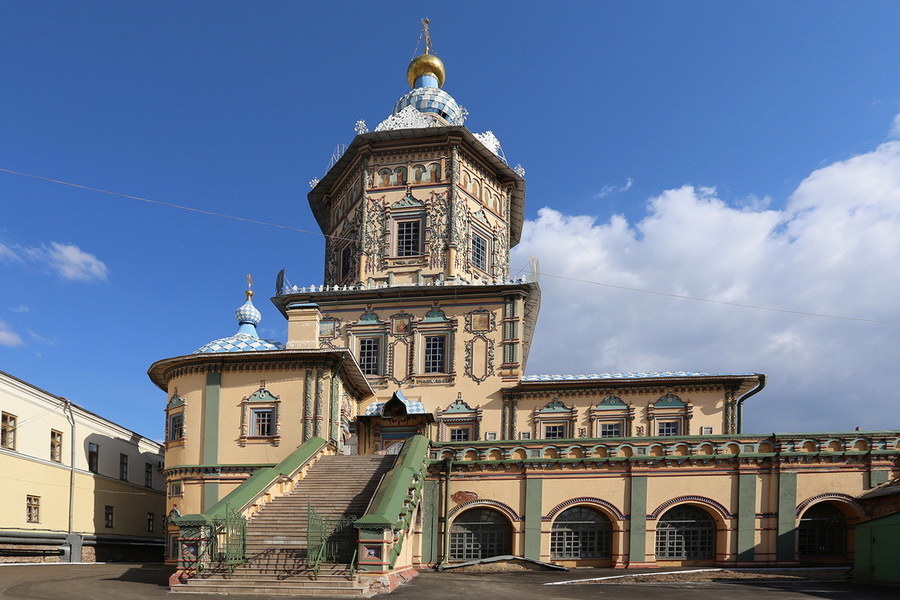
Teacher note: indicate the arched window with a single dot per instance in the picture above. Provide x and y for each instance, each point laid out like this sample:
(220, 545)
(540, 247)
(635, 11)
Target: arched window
(480, 533)
(581, 532)
(685, 533)
(822, 532)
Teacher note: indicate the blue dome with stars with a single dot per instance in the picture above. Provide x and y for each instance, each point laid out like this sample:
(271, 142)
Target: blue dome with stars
(246, 339)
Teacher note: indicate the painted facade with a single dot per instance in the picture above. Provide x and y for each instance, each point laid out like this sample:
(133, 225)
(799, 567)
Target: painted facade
(419, 329)
(75, 486)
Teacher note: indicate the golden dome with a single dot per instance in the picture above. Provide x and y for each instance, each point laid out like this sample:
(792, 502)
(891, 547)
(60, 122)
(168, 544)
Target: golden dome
(425, 64)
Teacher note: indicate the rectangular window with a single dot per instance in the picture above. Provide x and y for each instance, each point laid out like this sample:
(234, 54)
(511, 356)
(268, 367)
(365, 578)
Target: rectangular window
(525, 435)
(613, 429)
(409, 238)
(554, 431)
(33, 509)
(706, 430)
(480, 252)
(93, 458)
(8, 431)
(435, 354)
(176, 426)
(511, 330)
(262, 422)
(490, 435)
(460, 434)
(123, 467)
(669, 428)
(56, 445)
(346, 260)
(370, 356)
(509, 353)
(150, 518)
(108, 515)
(175, 489)
(148, 474)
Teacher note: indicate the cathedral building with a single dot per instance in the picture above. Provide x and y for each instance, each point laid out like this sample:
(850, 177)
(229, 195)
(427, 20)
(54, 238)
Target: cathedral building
(416, 344)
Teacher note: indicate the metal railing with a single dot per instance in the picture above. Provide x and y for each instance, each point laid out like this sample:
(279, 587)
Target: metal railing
(332, 540)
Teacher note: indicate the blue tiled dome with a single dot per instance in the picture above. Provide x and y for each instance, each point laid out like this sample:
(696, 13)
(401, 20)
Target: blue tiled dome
(246, 339)
(432, 100)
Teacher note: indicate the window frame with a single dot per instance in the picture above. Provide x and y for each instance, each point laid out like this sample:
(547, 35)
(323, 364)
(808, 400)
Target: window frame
(93, 457)
(459, 429)
(56, 442)
(483, 254)
(32, 509)
(666, 422)
(256, 421)
(435, 362)
(148, 475)
(406, 250)
(366, 365)
(151, 518)
(176, 427)
(109, 516)
(563, 430)
(123, 467)
(175, 488)
(8, 426)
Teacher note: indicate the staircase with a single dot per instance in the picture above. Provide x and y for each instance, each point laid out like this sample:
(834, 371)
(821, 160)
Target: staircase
(336, 486)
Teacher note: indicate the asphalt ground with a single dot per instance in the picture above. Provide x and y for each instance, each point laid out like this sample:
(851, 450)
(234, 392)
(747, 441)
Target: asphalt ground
(149, 582)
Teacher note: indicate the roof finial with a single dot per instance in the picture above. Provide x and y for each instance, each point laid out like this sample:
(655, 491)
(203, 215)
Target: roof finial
(428, 46)
(249, 292)
(426, 64)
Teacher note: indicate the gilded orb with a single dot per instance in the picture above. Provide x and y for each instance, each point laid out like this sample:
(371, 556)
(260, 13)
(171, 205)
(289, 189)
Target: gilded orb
(425, 64)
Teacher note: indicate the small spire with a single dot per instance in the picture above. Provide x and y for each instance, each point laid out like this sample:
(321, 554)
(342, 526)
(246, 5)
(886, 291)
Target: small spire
(249, 292)
(428, 47)
(426, 69)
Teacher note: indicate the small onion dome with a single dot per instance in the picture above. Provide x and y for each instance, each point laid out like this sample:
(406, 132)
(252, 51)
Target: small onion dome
(246, 339)
(426, 66)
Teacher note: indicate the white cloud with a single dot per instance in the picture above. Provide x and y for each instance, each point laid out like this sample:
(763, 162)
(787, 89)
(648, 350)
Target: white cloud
(606, 190)
(833, 249)
(72, 263)
(895, 128)
(8, 337)
(21, 309)
(66, 260)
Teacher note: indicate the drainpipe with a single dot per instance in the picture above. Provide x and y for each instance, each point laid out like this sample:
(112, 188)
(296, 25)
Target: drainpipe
(740, 407)
(70, 416)
(445, 558)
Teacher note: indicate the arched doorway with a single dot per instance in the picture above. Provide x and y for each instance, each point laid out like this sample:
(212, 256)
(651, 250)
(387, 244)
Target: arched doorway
(581, 532)
(686, 533)
(480, 533)
(822, 533)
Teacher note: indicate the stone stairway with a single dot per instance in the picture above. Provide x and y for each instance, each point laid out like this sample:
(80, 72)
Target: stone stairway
(336, 486)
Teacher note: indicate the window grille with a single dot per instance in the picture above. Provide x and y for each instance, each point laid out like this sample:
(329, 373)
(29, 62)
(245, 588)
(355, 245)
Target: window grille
(822, 533)
(148, 474)
(479, 252)
(435, 353)
(262, 423)
(480, 533)
(123, 467)
(409, 239)
(685, 533)
(554, 432)
(459, 434)
(108, 516)
(668, 428)
(369, 354)
(581, 532)
(610, 430)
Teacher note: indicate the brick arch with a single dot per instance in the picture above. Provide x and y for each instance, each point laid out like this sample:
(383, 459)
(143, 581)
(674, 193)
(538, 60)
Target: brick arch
(503, 508)
(834, 497)
(596, 502)
(720, 510)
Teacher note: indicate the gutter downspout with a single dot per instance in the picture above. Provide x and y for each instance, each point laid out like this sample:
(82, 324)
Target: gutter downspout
(70, 417)
(740, 407)
(445, 554)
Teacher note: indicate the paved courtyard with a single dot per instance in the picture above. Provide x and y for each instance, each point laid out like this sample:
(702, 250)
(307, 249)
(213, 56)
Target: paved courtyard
(145, 582)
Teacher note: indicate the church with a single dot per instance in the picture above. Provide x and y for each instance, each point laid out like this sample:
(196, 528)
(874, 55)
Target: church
(404, 374)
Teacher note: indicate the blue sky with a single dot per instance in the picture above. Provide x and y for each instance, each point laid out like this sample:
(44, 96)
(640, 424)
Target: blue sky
(738, 152)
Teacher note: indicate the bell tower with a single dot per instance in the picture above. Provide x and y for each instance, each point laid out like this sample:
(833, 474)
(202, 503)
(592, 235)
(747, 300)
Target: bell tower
(421, 199)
